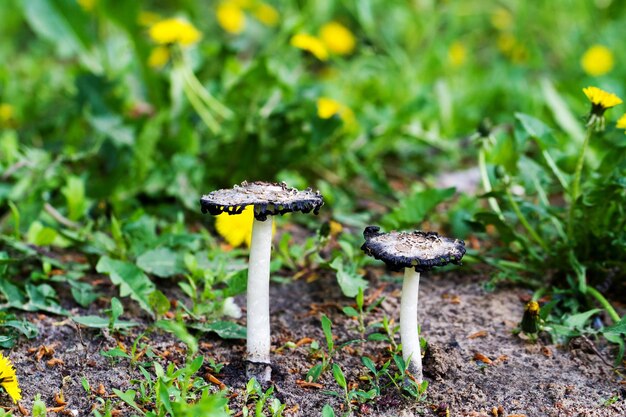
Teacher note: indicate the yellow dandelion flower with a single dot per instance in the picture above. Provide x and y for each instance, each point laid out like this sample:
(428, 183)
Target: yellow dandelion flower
(230, 17)
(327, 108)
(175, 30)
(621, 123)
(600, 98)
(601, 101)
(502, 19)
(310, 44)
(457, 54)
(87, 5)
(8, 379)
(597, 60)
(147, 18)
(531, 320)
(237, 229)
(6, 112)
(337, 38)
(159, 56)
(335, 228)
(266, 14)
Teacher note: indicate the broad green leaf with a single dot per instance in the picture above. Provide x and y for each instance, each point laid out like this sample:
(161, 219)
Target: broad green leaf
(164, 396)
(339, 376)
(39, 407)
(113, 127)
(161, 262)
(314, 373)
(195, 365)
(237, 284)
(26, 328)
(141, 234)
(42, 298)
(74, 193)
(377, 337)
(7, 342)
(129, 398)
(40, 235)
(369, 364)
(618, 339)
(11, 292)
(224, 329)
(63, 23)
(132, 281)
(577, 321)
(98, 322)
(413, 208)
(115, 353)
(505, 153)
(83, 292)
(159, 302)
(536, 129)
(617, 328)
(116, 309)
(328, 334)
(349, 281)
(350, 311)
(213, 405)
(328, 411)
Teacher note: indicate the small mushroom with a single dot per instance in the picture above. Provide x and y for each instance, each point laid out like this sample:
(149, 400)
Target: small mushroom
(268, 199)
(415, 252)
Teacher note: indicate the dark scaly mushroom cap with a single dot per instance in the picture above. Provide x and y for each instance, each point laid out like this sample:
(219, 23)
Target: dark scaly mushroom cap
(268, 199)
(420, 250)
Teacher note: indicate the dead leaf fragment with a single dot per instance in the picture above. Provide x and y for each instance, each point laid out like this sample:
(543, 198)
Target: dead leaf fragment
(304, 341)
(215, 381)
(349, 350)
(55, 409)
(452, 298)
(59, 399)
(546, 352)
(480, 333)
(304, 384)
(44, 351)
(498, 411)
(482, 358)
(54, 362)
(292, 410)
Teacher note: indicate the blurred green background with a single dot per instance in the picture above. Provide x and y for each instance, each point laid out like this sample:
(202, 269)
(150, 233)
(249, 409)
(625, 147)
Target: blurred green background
(83, 100)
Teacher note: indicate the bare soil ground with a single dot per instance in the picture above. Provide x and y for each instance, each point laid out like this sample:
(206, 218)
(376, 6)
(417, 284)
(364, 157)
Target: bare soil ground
(474, 363)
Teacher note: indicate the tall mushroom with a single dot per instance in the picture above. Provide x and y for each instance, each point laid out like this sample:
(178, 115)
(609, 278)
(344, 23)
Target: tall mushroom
(415, 252)
(268, 199)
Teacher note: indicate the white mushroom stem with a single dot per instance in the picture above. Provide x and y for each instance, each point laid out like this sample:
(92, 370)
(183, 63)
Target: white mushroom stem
(258, 339)
(409, 335)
